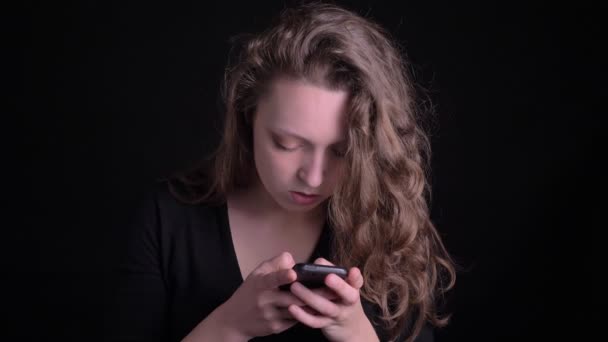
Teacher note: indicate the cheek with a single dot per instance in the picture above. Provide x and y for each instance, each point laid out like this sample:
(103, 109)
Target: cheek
(279, 166)
(284, 165)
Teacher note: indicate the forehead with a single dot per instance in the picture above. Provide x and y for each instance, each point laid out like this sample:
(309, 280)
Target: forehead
(309, 110)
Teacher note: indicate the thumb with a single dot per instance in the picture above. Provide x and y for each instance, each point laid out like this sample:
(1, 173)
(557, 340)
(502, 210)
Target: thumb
(282, 261)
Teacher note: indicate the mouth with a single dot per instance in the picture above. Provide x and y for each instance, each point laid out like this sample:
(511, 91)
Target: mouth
(305, 194)
(303, 198)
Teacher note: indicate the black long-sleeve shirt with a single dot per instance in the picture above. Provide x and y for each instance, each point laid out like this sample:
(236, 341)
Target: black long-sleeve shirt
(179, 266)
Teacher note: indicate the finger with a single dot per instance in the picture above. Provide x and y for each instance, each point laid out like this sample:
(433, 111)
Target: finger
(275, 279)
(322, 305)
(281, 261)
(323, 261)
(306, 317)
(355, 278)
(326, 293)
(309, 310)
(344, 290)
(285, 299)
(284, 314)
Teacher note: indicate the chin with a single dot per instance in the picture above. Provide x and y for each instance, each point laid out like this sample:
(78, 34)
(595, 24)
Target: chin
(289, 206)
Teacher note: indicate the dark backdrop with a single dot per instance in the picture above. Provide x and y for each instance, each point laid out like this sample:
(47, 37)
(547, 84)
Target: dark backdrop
(110, 95)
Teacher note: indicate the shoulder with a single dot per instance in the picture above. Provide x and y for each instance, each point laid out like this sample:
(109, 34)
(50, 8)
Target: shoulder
(162, 227)
(162, 208)
(163, 195)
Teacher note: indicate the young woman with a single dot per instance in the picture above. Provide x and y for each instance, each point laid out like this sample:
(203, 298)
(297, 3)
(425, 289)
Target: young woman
(322, 160)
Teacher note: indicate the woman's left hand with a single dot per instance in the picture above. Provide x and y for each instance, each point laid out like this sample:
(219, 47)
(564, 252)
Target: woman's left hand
(340, 320)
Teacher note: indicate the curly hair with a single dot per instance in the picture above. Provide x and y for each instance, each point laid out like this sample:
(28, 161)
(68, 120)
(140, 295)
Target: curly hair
(379, 211)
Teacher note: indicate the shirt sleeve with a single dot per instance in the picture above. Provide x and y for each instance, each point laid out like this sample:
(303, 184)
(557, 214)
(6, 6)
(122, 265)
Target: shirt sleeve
(136, 309)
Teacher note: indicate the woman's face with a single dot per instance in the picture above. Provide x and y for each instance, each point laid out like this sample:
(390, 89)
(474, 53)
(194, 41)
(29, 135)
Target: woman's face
(299, 141)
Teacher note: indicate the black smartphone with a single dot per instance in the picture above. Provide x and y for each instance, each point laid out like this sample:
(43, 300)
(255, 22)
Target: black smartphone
(313, 275)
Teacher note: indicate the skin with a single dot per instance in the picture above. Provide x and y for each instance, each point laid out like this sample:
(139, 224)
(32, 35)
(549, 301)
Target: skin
(298, 143)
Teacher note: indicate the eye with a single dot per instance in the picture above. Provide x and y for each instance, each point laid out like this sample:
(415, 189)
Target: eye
(283, 147)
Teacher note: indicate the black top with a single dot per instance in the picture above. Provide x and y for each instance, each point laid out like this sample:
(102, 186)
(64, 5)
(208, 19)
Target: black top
(179, 266)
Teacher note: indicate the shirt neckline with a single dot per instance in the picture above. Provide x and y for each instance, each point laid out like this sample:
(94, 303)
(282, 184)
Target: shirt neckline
(321, 249)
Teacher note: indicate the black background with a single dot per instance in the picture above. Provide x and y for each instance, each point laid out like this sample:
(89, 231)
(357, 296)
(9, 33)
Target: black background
(110, 95)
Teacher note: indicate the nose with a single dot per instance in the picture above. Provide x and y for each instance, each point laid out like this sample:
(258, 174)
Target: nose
(313, 171)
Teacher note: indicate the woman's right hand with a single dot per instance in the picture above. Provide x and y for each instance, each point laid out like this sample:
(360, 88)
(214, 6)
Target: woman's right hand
(258, 307)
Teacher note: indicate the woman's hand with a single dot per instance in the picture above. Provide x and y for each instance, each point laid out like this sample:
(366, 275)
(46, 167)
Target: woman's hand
(340, 320)
(258, 307)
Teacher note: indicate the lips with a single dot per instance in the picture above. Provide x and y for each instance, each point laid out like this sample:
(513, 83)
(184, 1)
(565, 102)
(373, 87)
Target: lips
(303, 198)
(305, 194)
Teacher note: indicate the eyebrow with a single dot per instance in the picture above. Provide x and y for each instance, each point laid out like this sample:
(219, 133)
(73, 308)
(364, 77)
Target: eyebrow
(279, 130)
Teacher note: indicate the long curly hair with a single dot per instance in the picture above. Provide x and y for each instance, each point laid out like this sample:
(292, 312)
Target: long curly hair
(379, 211)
